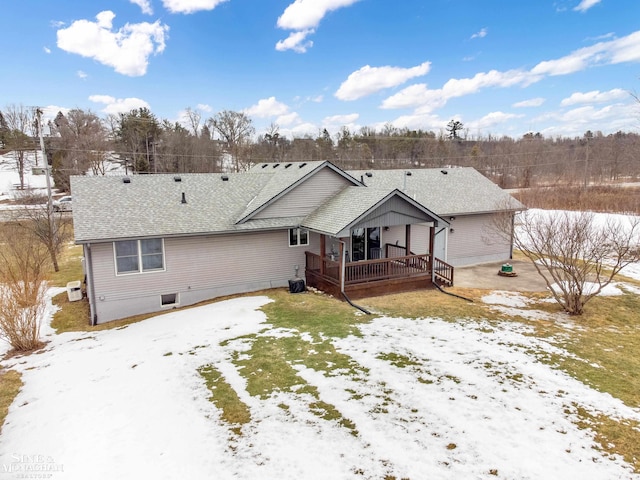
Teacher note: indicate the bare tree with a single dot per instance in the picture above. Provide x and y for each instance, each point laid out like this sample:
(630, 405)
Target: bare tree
(23, 266)
(236, 130)
(193, 117)
(19, 121)
(576, 255)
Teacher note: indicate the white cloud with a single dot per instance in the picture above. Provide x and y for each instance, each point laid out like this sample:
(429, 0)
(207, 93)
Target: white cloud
(127, 50)
(145, 6)
(46, 50)
(204, 107)
(625, 49)
(288, 119)
(190, 6)
(595, 96)
(532, 102)
(481, 34)
(57, 23)
(586, 5)
(118, 105)
(267, 107)
(81, 74)
(304, 16)
(369, 80)
(341, 119)
(296, 42)
(491, 120)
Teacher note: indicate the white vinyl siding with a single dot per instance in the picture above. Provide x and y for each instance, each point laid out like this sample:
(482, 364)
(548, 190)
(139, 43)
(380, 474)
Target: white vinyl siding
(306, 197)
(197, 269)
(473, 242)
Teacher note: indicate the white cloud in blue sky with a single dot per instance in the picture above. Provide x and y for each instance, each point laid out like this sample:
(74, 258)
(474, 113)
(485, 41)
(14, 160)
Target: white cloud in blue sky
(552, 66)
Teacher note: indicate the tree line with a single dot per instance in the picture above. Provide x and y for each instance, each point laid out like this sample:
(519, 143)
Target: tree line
(80, 141)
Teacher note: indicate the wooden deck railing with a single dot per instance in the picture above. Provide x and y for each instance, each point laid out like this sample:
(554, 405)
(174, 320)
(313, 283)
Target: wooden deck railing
(380, 269)
(442, 271)
(386, 268)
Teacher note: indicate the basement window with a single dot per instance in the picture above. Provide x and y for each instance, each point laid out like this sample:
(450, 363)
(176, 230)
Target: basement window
(298, 237)
(169, 299)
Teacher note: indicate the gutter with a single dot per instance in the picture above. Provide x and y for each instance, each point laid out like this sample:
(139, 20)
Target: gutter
(90, 287)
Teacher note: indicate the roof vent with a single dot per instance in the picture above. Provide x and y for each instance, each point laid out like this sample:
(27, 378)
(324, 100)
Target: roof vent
(177, 179)
(287, 165)
(408, 174)
(369, 174)
(265, 165)
(304, 164)
(225, 178)
(184, 198)
(126, 180)
(276, 165)
(444, 172)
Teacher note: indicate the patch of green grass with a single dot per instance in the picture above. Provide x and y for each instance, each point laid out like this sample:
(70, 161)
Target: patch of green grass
(397, 360)
(614, 436)
(70, 266)
(234, 411)
(10, 385)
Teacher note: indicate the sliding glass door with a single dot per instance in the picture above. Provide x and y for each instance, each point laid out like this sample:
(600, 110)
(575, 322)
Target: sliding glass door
(365, 243)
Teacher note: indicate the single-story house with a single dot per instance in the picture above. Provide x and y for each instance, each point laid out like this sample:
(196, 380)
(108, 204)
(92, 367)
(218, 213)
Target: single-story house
(155, 242)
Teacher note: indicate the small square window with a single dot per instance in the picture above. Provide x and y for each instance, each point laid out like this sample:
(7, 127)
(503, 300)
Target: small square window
(169, 299)
(298, 237)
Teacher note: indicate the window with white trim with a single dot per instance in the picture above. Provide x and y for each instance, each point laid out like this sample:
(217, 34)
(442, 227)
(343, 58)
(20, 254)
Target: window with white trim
(298, 237)
(136, 256)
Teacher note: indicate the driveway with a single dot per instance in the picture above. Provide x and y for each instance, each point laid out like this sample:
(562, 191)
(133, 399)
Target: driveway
(486, 276)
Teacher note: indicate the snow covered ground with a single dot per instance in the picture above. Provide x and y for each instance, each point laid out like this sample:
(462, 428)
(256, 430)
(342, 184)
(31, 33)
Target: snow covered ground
(429, 400)
(468, 400)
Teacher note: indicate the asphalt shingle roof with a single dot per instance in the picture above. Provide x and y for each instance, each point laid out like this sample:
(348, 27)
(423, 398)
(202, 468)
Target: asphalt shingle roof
(107, 208)
(462, 190)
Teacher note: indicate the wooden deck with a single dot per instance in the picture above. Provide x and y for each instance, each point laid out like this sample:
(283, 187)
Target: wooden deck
(396, 273)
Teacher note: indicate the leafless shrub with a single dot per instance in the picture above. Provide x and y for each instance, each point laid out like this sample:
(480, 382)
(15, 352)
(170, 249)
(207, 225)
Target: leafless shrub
(575, 255)
(23, 266)
(604, 198)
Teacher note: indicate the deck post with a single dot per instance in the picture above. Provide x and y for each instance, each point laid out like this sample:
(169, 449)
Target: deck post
(342, 266)
(323, 250)
(432, 242)
(407, 234)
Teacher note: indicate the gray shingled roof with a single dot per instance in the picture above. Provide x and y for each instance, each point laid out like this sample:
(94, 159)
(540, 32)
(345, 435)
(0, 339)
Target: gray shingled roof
(462, 190)
(344, 209)
(283, 176)
(106, 208)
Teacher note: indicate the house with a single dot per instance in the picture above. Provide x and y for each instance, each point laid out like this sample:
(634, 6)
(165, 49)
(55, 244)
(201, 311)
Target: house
(155, 242)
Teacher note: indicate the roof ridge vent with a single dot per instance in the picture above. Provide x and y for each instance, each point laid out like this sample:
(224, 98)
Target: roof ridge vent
(369, 174)
(288, 165)
(303, 164)
(225, 178)
(444, 172)
(126, 180)
(184, 198)
(177, 178)
(276, 165)
(265, 165)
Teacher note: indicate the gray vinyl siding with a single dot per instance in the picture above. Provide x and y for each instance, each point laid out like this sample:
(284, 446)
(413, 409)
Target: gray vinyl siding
(197, 269)
(472, 242)
(395, 211)
(306, 197)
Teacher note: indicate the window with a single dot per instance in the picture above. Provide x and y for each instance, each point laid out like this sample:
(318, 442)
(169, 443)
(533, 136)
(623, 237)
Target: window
(169, 299)
(135, 256)
(298, 237)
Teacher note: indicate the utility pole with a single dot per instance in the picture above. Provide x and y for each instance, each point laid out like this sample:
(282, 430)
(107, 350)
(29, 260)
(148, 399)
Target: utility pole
(47, 170)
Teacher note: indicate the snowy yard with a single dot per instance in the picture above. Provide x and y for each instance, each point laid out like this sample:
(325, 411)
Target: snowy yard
(422, 398)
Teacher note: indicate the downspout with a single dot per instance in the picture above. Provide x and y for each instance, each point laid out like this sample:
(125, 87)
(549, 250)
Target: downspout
(433, 277)
(89, 280)
(342, 275)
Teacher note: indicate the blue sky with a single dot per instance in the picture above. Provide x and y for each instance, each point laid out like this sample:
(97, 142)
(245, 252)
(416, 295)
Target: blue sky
(502, 67)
